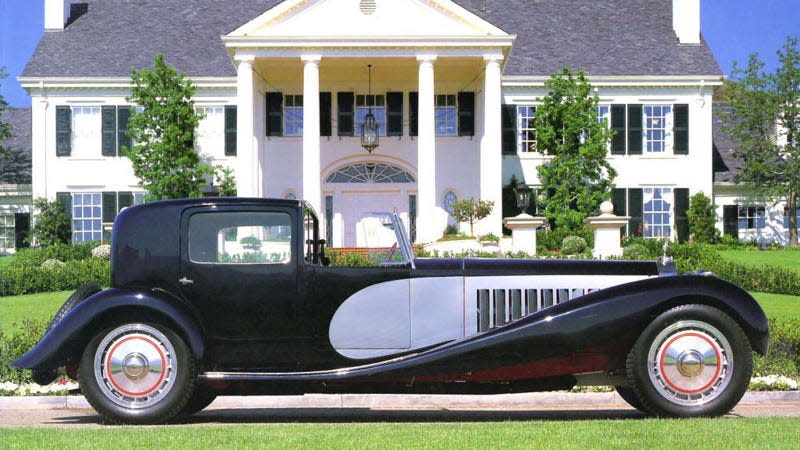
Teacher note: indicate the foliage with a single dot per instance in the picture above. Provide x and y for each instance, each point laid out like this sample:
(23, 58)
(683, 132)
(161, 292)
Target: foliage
(163, 155)
(471, 211)
(636, 252)
(553, 239)
(488, 238)
(17, 279)
(450, 230)
(5, 128)
(572, 245)
(102, 252)
(783, 356)
(652, 247)
(762, 100)
(61, 252)
(578, 177)
(51, 224)
(251, 243)
(347, 259)
(13, 344)
(702, 219)
(225, 180)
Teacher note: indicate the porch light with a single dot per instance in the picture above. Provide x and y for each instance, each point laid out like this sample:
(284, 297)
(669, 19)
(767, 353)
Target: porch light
(523, 194)
(370, 135)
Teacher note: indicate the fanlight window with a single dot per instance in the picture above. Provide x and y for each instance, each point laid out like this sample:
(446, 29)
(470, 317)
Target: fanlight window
(370, 173)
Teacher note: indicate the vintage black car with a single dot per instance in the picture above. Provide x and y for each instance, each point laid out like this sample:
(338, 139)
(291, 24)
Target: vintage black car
(235, 296)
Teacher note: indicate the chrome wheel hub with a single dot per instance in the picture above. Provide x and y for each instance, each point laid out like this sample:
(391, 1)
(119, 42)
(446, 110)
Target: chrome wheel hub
(134, 365)
(690, 363)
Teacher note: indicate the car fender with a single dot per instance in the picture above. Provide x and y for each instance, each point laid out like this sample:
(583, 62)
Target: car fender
(59, 344)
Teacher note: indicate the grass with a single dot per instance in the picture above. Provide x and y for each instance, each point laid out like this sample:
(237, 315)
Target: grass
(748, 433)
(777, 305)
(17, 308)
(789, 259)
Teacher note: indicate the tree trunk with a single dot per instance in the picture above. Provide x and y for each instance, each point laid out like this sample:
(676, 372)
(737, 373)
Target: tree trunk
(791, 208)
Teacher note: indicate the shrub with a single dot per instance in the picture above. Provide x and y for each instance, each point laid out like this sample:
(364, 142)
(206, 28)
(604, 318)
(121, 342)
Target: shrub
(51, 225)
(102, 252)
(28, 279)
(702, 219)
(51, 264)
(652, 247)
(348, 259)
(489, 238)
(553, 239)
(61, 252)
(451, 230)
(636, 252)
(572, 245)
(783, 356)
(13, 344)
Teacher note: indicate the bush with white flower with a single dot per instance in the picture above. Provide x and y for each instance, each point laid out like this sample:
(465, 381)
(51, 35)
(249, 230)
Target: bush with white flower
(772, 383)
(52, 264)
(102, 252)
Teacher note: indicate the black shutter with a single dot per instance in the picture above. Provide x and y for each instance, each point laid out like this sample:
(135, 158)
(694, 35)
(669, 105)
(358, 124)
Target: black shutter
(619, 197)
(125, 200)
(413, 113)
(274, 114)
(109, 127)
(65, 200)
(635, 206)
(681, 196)
(634, 129)
(63, 131)
(466, 114)
(22, 228)
(230, 130)
(730, 220)
(109, 206)
(325, 114)
(509, 126)
(680, 118)
(346, 113)
(123, 141)
(618, 125)
(394, 113)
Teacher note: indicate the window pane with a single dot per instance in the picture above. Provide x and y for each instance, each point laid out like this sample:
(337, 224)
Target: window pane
(260, 238)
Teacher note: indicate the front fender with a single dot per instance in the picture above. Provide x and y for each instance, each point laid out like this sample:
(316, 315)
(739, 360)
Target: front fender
(72, 332)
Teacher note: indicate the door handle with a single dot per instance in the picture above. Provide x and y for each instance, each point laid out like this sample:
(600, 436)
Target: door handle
(185, 280)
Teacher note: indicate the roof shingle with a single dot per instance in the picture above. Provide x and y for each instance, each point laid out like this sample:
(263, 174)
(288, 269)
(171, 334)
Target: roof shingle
(17, 168)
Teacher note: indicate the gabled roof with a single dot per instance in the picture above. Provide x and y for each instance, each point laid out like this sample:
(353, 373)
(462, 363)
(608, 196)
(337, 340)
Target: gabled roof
(726, 166)
(17, 168)
(601, 37)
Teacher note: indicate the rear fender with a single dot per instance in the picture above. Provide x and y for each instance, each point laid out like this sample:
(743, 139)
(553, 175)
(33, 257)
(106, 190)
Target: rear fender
(67, 339)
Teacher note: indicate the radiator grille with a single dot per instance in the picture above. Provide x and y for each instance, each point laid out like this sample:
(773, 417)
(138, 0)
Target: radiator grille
(498, 307)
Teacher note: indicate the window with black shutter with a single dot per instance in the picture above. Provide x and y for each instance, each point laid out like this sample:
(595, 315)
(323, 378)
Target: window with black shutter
(22, 228)
(730, 220)
(466, 114)
(635, 210)
(65, 200)
(123, 141)
(346, 113)
(634, 129)
(394, 113)
(109, 130)
(109, 206)
(274, 114)
(125, 199)
(325, 114)
(63, 131)
(681, 121)
(413, 113)
(509, 129)
(681, 196)
(618, 125)
(619, 198)
(230, 130)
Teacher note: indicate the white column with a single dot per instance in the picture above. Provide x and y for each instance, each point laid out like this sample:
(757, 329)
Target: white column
(312, 187)
(491, 158)
(42, 149)
(426, 153)
(245, 150)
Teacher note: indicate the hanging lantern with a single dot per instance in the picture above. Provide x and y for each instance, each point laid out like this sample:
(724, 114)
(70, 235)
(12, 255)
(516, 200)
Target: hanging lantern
(370, 133)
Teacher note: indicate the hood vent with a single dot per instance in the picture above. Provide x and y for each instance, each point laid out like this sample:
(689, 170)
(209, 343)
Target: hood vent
(498, 307)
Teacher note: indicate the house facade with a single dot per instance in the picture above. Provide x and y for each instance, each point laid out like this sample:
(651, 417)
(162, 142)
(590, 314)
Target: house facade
(15, 182)
(454, 85)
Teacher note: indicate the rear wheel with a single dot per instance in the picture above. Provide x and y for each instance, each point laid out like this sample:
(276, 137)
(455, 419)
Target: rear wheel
(692, 360)
(137, 373)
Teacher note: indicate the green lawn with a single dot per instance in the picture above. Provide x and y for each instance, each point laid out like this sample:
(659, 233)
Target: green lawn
(789, 259)
(34, 306)
(773, 433)
(777, 305)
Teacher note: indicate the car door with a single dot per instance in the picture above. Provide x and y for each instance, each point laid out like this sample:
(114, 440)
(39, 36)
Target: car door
(239, 270)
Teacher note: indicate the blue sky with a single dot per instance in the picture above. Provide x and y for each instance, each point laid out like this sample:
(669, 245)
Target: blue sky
(733, 28)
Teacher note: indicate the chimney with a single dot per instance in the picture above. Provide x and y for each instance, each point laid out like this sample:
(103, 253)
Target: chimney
(686, 20)
(56, 14)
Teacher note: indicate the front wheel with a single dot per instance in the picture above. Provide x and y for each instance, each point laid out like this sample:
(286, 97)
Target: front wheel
(692, 360)
(137, 373)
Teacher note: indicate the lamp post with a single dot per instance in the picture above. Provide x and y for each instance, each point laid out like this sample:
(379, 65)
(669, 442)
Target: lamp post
(370, 135)
(523, 195)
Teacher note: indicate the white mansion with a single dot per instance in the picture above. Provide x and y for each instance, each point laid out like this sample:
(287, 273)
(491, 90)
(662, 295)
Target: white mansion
(284, 86)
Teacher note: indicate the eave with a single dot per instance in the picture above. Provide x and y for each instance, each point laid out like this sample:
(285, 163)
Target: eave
(636, 81)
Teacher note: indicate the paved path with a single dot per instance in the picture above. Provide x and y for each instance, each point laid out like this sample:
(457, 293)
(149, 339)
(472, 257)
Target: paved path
(74, 412)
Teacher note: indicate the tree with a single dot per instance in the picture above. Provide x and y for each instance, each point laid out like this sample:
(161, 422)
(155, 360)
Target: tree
(578, 177)
(471, 211)
(52, 225)
(225, 180)
(163, 155)
(702, 217)
(5, 128)
(766, 105)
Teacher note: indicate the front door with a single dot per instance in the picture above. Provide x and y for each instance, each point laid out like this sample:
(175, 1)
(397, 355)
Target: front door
(361, 229)
(239, 270)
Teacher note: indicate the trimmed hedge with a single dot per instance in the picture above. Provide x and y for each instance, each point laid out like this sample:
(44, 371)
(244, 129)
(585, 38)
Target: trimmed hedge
(783, 356)
(13, 344)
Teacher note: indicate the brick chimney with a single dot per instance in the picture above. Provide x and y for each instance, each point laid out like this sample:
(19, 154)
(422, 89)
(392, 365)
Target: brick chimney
(56, 14)
(686, 20)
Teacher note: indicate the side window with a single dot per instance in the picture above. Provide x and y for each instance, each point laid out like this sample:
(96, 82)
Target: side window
(240, 238)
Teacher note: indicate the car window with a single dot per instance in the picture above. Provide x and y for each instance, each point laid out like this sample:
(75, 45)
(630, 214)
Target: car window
(240, 238)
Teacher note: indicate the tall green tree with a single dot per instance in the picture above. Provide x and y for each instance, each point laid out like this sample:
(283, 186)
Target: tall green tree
(5, 128)
(577, 177)
(163, 155)
(767, 125)
(702, 217)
